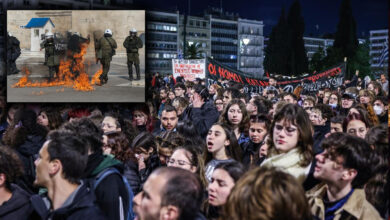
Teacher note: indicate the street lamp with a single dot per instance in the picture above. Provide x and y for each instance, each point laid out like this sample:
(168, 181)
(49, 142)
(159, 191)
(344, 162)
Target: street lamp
(246, 41)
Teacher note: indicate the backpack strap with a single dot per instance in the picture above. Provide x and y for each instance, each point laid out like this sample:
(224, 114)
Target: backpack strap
(112, 48)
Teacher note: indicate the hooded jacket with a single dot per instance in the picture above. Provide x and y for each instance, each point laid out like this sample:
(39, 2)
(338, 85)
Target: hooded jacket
(18, 206)
(111, 189)
(203, 117)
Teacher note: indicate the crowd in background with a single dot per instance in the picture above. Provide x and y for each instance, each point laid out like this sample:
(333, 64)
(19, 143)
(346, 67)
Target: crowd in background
(196, 151)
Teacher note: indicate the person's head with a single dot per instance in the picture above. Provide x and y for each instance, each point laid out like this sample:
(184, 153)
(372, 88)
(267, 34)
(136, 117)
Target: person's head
(11, 167)
(141, 116)
(144, 145)
(62, 157)
(229, 94)
(272, 81)
(86, 129)
(111, 123)
(235, 115)
(218, 102)
(180, 104)
(375, 87)
(356, 125)
(224, 178)
(163, 93)
(171, 95)
(290, 129)
(267, 193)
(166, 143)
(50, 118)
(325, 100)
(213, 89)
(336, 124)
(345, 160)
(309, 102)
(180, 89)
(185, 157)
(380, 105)
(255, 106)
(383, 78)
(199, 92)
(258, 128)
(119, 146)
(366, 96)
(334, 100)
(320, 114)
(221, 140)
(169, 118)
(289, 98)
(347, 100)
(170, 193)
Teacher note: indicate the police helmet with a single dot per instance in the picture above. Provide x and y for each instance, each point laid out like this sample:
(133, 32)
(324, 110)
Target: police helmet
(133, 30)
(77, 33)
(10, 34)
(108, 31)
(49, 35)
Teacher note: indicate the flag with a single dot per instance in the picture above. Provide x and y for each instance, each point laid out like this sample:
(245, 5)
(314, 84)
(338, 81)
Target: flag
(385, 53)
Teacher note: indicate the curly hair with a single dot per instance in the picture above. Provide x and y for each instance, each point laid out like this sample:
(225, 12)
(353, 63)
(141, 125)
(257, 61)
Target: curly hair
(269, 194)
(10, 165)
(120, 146)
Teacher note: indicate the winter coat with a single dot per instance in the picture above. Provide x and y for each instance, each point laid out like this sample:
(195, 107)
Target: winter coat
(18, 206)
(132, 44)
(151, 164)
(203, 117)
(111, 189)
(319, 134)
(107, 46)
(356, 207)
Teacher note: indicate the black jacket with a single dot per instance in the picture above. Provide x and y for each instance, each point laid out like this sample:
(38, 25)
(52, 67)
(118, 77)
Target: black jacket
(82, 207)
(151, 164)
(132, 176)
(203, 117)
(18, 206)
(319, 135)
(110, 188)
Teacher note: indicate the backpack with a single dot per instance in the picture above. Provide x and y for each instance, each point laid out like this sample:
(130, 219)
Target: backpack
(112, 170)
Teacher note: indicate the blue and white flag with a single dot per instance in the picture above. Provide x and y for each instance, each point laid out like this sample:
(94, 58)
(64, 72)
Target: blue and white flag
(385, 53)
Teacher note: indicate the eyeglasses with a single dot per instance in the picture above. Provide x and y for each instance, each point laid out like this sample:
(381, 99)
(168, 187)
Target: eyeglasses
(218, 103)
(178, 162)
(288, 130)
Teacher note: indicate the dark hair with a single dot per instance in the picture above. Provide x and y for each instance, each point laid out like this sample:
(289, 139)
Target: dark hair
(24, 124)
(267, 193)
(85, 128)
(326, 111)
(289, 94)
(297, 116)
(188, 130)
(53, 116)
(356, 154)
(337, 119)
(261, 118)
(115, 116)
(180, 85)
(202, 91)
(149, 120)
(234, 93)
(144, 140)
(71, 151)
(383, 99)
(10, 165)
(169, 108)
(377, 188)
(182, 189)
(120, 146)
(262, 105)
(224, 118)
(233, 150)
(235, 169)
(354, 116)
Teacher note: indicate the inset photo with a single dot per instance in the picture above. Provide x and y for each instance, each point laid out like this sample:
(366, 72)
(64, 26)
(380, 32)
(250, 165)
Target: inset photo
(76, 56)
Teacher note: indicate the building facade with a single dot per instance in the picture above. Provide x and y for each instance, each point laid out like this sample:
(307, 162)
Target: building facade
(68, 4)
(162, 39)
(197, 31)
(379, 51)
(251, 44)
(314, 44)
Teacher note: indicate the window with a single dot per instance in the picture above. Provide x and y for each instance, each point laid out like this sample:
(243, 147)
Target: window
(36, 32)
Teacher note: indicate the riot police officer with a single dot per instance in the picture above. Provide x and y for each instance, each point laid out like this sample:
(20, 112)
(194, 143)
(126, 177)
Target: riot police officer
(132, 43)
(53, 59)
(106, 49)
(13, 52)
(74, 47)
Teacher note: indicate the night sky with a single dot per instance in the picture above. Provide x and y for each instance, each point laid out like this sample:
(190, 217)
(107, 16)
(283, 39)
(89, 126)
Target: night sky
(324, 14)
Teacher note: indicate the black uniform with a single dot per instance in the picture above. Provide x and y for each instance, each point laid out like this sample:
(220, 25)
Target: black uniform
(13, 52)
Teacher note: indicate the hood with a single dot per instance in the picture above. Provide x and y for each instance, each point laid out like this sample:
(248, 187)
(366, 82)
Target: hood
(108, 161)
(19, 199)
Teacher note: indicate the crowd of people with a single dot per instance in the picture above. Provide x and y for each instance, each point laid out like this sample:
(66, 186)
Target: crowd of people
(200, 152)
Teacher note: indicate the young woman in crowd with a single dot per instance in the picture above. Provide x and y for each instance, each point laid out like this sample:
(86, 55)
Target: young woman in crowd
(290, 142)
(356, 124)
(142, 119)
(255, 151)
(367, 111)
(26, 136)
(145, 150)
(366, 96)
(223, 180)
(50, 118)
(186, 157)
(222, 147)
(236, 116)
(218, 102)
(334, 101)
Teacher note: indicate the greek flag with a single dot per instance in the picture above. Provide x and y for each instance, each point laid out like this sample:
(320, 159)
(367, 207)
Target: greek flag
(384, 54)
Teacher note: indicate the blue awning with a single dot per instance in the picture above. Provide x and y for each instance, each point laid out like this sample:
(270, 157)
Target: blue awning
(38, 23)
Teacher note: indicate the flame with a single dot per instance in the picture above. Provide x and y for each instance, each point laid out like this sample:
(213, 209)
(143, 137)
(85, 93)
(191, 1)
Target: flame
(66, 75)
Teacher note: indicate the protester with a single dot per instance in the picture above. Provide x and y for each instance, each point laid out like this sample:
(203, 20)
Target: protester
(290, 142)
(267, 193)
(50, 118)
(344, 166)
(356, 125)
